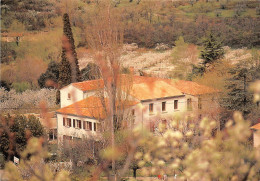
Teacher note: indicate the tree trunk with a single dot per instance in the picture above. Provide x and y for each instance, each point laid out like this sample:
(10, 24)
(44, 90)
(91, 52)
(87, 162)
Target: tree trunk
(134, 172)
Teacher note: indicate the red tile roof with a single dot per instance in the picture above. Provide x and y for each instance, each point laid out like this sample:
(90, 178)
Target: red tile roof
(193, 88)
(151, 87)
(89, 85)
(256, 126)
(144, 91)
(91, 107)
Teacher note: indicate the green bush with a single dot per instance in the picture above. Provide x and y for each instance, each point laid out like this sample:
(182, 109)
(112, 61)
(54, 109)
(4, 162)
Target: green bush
(21, 86)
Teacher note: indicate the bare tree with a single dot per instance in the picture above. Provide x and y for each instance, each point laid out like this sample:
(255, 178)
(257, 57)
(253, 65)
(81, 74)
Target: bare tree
(106, 38)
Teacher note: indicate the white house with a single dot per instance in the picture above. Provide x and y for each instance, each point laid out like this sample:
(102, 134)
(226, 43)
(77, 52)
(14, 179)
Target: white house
(256, 135)
(146, 99)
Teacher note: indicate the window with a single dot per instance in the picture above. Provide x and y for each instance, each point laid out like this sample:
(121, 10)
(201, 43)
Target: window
(175, 104)
(87, 125)
(133, 112)
(69, 96)
(78, 124)
(52, 134)
(151, 108)
(90, 125)
(199, 103)
(67, 122)
(163, 106)
(189, 105)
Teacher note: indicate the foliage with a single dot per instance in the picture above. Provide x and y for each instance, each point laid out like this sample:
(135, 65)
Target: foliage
(69, 56)
(21, 86)
(81, 152)
(239, 97)
(212, 50)
(34, 168)
(8, 53)
(146, 23)
(69, 68)
(5, 85)
(125, 70)
(15, 131)
(50, 78)
(197, 71)
(215, 77)
(184, 56)
(90, 72)
(28, 14)
(27, 101)
(199, 155)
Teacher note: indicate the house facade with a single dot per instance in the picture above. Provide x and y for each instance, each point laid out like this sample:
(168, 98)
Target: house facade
(146, 100)
(256, 135)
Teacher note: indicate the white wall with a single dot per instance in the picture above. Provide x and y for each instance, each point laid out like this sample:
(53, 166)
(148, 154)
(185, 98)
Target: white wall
(74, 132)
(256, 135)
(75, 95)
(142, 114)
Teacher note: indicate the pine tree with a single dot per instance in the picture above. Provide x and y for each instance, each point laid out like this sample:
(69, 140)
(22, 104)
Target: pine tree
(212, 50)
(239, 97)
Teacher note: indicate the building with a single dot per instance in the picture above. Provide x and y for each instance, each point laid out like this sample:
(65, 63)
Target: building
(256, 135)
(147, 100)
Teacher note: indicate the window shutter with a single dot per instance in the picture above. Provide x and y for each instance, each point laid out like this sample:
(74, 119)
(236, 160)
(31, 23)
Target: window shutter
(69, 122)
(73, 123)
(63, 121)
(84, 124)
(90, 126)
(80, 124)
(95, 126)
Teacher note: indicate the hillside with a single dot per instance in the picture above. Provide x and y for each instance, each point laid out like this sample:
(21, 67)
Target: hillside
(160, 63)
(38, 26)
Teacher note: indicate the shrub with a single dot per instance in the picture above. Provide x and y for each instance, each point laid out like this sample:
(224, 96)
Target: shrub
(21, 86)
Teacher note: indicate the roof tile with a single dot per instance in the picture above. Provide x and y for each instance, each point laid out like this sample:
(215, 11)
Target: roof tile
(92, 107)
(256, 126)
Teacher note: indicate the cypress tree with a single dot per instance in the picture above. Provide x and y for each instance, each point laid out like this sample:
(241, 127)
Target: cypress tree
(66, 69)
(212, 50)
(69, 69)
